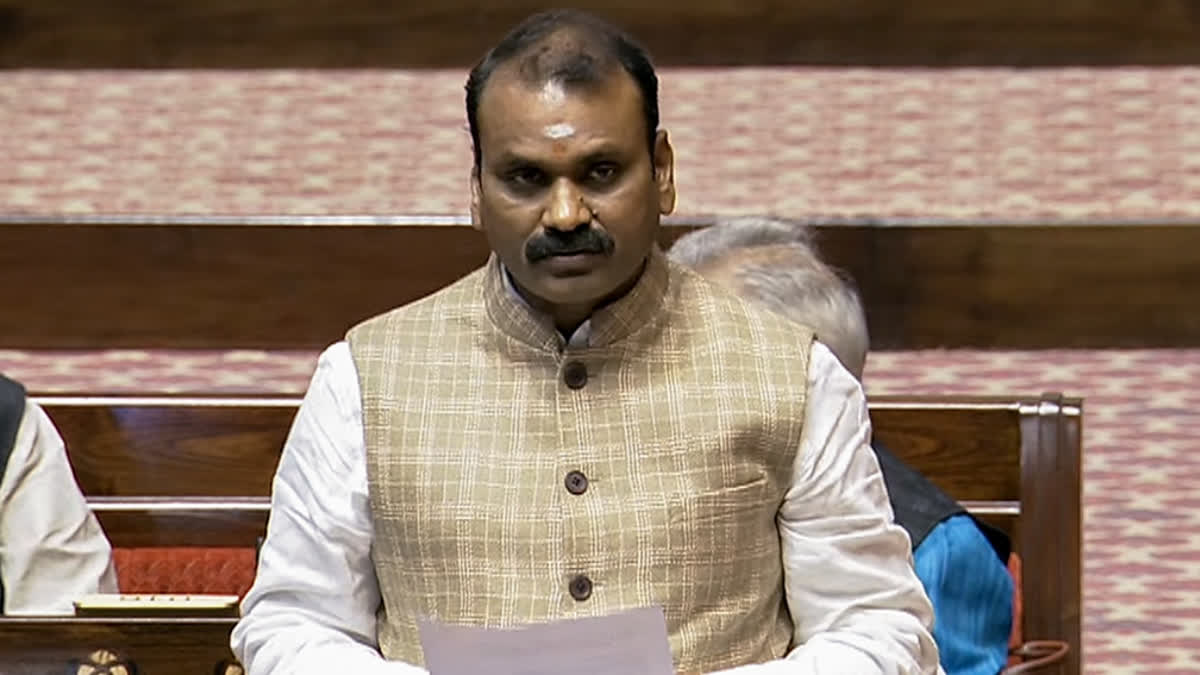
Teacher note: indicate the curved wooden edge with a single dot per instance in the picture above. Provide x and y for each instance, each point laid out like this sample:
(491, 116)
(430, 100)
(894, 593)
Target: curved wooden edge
(1051, 545)
(1037, 656)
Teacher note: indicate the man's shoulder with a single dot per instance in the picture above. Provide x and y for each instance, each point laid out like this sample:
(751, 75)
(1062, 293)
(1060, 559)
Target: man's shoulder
(461, 298)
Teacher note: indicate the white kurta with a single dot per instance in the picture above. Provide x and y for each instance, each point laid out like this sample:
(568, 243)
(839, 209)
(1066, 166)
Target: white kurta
(52, 550)
(849, 581)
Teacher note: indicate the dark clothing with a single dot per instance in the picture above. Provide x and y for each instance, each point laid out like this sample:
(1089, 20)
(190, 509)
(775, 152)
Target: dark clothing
(920, 505)
(12, 409)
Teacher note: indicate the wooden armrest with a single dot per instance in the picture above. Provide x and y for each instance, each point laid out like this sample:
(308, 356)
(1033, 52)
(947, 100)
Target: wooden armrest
(1039, 655)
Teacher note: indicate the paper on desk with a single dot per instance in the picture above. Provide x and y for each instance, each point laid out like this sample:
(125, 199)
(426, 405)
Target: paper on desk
(629, 643)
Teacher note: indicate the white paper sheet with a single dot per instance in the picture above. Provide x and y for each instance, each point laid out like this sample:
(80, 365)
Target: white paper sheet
(628, 643)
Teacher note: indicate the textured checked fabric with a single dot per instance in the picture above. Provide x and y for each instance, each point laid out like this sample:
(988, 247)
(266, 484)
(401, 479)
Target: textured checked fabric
(687, 429)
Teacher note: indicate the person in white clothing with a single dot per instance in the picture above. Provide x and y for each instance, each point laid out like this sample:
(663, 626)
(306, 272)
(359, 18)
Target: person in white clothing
(52, 550)
(581, 427)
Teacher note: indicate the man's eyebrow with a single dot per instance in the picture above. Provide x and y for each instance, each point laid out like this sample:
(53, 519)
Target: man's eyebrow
(508, 160)
(601, 155)
(605, 152)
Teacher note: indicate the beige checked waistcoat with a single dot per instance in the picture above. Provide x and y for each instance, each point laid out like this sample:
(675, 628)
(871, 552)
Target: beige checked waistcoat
(514, 479)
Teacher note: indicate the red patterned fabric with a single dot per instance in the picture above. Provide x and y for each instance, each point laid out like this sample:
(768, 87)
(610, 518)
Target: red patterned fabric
(223, 571)
(941, 143)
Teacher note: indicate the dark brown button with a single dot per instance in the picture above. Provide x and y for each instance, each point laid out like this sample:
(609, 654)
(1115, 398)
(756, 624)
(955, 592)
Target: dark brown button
(581, 588)
(576, 482)
(575, 374)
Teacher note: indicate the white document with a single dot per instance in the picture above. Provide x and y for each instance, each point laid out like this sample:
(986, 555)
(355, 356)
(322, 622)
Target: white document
(629, 643)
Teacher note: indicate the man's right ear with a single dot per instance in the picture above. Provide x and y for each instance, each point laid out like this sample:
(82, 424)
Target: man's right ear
(476, 189)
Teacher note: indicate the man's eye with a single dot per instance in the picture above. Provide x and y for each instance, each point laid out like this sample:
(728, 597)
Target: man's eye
(603, 173)
(525, 177)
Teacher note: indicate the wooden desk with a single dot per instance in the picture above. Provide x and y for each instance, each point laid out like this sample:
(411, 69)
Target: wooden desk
(159, 646)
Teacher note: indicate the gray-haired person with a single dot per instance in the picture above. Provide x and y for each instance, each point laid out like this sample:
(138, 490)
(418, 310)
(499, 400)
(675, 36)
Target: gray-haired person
(960, 561)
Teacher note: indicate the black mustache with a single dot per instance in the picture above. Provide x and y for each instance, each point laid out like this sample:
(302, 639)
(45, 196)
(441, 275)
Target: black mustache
(580, 240)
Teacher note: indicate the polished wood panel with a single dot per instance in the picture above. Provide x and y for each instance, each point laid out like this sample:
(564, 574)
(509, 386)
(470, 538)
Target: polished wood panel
(133, 523)
(1052, 543)
(1025, 287)
(296, 284)
(364, 33)
(971, 453)
(40, 646)
(178, 448)
(215, 286)
(175, 471)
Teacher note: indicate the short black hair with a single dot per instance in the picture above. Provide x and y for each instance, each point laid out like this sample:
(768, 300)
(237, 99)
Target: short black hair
(590, 47)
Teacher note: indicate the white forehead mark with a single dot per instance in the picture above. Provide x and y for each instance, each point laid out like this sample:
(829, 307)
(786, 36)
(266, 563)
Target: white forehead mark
(553, 93)
(559, 131)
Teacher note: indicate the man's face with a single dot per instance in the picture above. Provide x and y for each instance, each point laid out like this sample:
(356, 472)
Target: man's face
(567, 193)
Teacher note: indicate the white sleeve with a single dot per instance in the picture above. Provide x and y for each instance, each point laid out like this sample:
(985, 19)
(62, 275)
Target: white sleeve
(312, 607)
(857, 606)
(52, 550)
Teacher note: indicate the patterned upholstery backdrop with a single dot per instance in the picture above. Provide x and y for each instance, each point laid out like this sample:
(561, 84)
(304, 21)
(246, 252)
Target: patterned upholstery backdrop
(1047, 145)
(961, 144)
(223, 571)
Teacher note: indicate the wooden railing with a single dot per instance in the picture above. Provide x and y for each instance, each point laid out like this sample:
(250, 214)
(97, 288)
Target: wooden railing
(295, 283)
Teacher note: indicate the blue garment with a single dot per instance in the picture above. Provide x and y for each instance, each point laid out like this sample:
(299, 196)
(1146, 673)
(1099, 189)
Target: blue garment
(971, 591)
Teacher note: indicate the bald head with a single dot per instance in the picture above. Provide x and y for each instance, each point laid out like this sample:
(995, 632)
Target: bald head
(568, 56)
(565, 50)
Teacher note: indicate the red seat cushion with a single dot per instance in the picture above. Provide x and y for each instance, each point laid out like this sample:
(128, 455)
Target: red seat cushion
(224, 571)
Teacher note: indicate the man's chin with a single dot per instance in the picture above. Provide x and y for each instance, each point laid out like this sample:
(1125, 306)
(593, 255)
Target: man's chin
(572, 289)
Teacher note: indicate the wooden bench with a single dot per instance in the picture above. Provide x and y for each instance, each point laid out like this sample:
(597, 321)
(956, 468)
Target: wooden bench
(161, 646)
(174, 471)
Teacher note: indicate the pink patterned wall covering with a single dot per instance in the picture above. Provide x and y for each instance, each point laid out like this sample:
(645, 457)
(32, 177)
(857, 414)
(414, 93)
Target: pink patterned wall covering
(961, 144)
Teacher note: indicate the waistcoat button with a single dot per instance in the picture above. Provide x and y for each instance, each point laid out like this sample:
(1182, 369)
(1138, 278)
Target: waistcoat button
(576, 482)
(581, 588)
(575, 374)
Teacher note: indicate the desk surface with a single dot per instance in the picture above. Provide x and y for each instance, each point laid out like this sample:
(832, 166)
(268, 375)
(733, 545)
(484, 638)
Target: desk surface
(159, 646)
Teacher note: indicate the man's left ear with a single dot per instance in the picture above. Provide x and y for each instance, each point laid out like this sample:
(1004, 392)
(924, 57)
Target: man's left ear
(664, 172)
(476, 188)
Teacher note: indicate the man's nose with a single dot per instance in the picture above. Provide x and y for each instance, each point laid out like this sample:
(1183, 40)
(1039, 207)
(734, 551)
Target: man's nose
(566, 209)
